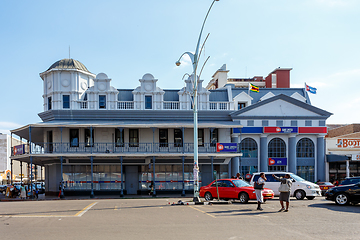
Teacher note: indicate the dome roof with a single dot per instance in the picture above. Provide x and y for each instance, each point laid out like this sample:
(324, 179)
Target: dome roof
(67, 63)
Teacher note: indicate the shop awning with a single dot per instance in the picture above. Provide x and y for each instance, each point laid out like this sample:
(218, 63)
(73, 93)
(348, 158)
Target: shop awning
(337, 158)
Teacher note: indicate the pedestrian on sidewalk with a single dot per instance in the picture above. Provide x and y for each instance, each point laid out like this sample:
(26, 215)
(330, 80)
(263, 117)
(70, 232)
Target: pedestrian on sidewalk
(151, 186)
(22, 192)
(60, 188)
(284, 189)
(259, 187)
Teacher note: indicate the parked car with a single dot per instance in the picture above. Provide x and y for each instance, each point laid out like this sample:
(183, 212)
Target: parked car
(324, 186)
(344, 195)
(299, 189)
(233, 189)
(350, 180)
(3, 189)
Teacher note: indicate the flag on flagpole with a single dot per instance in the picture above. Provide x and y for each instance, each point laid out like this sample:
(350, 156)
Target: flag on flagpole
(310, 89)
(253, 88)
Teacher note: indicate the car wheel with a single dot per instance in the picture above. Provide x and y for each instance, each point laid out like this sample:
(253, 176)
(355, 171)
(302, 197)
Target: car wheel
(243, 197)
(300, 194)
(310, 197)
(264, 201)
(208, 196)
(342, 199)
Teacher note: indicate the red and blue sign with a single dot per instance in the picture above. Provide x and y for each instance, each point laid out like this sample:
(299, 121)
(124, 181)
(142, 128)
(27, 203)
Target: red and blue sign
(277, 161)
(19, 149)
(280, 129)
(226, 147)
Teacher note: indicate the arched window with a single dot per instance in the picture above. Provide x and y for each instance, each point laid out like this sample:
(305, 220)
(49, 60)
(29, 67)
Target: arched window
(249, 148)
(305, 148)
(277, 148)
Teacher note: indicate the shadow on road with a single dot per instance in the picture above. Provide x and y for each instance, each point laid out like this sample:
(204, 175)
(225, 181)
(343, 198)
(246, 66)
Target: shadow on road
(334, 207)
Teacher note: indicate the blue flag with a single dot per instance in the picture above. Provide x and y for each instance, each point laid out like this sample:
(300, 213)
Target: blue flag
(310, 89)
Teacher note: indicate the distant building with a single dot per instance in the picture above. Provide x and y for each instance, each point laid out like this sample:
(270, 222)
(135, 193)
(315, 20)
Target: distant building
(11, 171)
(101, 139)
(343, 151)
(279, 78)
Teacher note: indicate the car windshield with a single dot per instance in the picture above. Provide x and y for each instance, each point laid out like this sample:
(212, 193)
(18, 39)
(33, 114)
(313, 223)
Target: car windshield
(241, 183)
(325, 183)
(297, 178)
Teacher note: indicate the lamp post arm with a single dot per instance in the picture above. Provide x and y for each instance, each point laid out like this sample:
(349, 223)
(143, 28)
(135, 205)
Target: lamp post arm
(198, 43)
(191, 55)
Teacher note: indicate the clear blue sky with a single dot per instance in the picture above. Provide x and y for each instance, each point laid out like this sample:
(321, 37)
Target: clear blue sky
(319, 39)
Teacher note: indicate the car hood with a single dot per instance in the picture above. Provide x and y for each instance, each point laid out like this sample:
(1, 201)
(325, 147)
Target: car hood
(311, 184)
(343, 186)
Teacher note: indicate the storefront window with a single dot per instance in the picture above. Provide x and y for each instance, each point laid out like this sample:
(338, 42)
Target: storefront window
(167, 177)
(305, 148)
(106, 177)
(249, 148)
(277, 148)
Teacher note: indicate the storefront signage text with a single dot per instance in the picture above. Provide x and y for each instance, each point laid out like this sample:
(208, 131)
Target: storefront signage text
(348, 143)
(226, 147)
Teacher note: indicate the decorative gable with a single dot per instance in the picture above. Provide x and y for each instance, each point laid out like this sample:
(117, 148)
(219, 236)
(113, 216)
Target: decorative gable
(242, 97)
(281, 107)
(148, 92)
(297, 96)
(267, 96)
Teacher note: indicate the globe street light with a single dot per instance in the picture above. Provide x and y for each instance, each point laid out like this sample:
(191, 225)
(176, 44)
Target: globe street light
(194, 60)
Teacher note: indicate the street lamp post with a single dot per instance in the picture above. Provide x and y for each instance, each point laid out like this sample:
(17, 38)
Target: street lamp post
(194, 59)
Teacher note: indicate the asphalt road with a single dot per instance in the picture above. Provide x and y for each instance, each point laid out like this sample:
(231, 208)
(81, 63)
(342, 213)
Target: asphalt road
(157, 219)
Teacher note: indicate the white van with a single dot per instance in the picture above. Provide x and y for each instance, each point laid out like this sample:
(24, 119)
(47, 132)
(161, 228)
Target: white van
(299, 189)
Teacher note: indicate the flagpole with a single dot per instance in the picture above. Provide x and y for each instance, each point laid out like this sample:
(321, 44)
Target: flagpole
(249, 90)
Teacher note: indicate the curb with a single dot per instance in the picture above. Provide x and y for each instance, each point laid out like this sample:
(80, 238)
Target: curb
(199, 203)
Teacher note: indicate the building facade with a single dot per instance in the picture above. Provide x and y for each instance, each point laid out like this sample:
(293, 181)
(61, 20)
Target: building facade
(343, 151)
(97, 138)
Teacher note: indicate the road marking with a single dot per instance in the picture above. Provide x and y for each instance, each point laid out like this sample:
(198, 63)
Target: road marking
(202, 211)
(79, 214)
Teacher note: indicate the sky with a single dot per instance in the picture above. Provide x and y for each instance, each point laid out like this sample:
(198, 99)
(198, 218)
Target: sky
(319, 39)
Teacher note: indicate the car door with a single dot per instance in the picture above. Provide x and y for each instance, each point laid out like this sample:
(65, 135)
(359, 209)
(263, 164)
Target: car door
(356, 190)
(228, 190)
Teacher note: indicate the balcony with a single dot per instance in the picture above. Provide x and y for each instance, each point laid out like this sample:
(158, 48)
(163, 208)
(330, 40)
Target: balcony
(111, 148)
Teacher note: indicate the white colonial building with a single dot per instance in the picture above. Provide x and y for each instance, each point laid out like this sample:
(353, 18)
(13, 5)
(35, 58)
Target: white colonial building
(100, 139)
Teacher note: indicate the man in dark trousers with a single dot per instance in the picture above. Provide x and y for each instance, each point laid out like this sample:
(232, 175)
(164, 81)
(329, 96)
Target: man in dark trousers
(284, 189)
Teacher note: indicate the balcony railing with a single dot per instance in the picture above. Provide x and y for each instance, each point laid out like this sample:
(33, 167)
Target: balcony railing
(56, 148)
(125, 105)
(171, 105)
(167, 105)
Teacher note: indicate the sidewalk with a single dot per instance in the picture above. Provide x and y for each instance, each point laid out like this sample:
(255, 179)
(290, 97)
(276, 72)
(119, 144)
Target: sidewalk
(42, 197)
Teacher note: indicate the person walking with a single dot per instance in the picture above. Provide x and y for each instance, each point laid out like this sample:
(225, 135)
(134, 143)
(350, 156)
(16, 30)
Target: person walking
(22, 192)
(259, 187)
(284, 189)
(151, 186)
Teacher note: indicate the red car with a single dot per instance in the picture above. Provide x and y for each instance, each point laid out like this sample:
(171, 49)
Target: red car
(324, 186)
(233, 189)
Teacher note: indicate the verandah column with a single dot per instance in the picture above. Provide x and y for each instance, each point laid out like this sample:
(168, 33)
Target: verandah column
(154, 193)
(92, 177)
(21, 172)
(121, 176)
(31, 161)
(183, 176)
(62, 179)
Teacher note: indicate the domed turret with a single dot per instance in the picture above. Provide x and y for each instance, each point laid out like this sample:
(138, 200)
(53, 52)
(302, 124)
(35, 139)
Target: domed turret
(68, 64)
